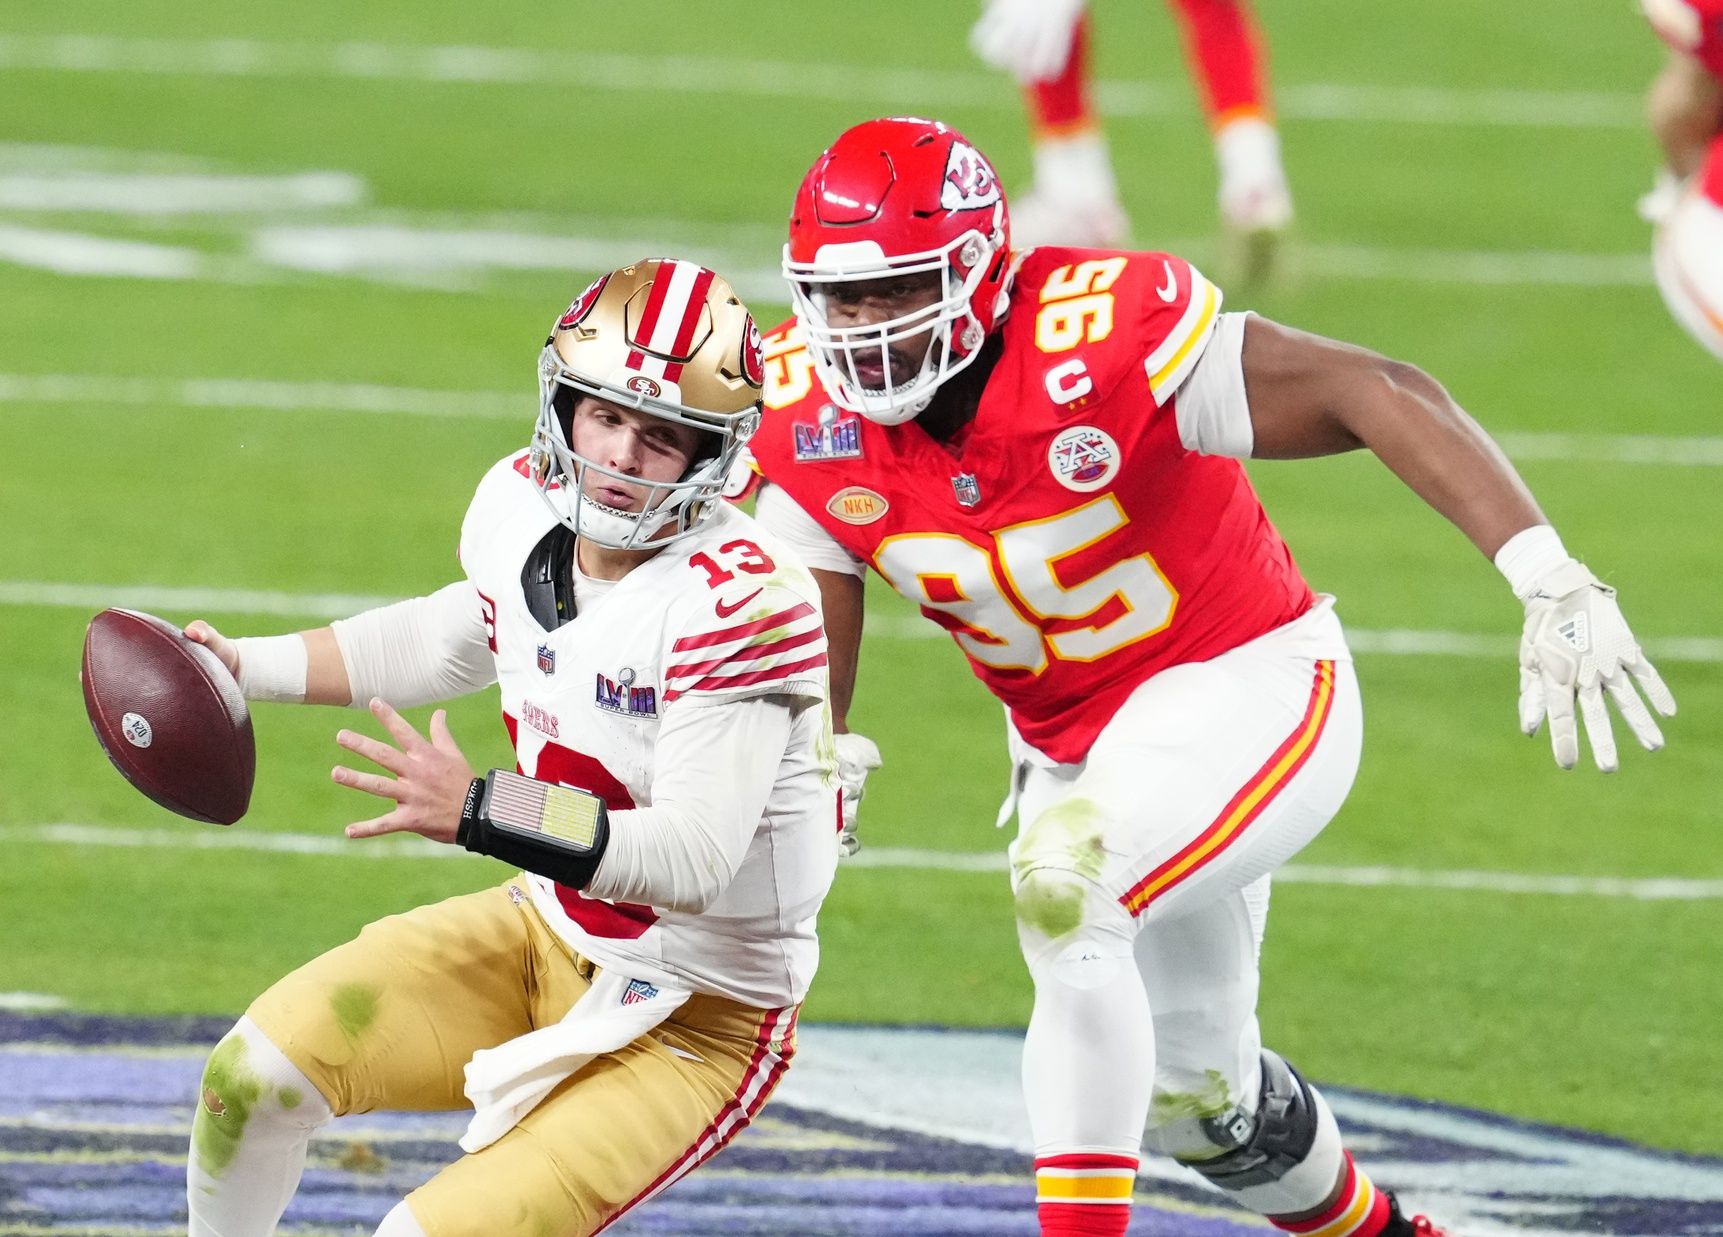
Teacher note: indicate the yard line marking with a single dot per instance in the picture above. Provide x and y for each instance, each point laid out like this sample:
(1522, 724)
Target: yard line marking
(279, 604)
(76, 253)
(176, 193)
(30, 1002)
(1638, 889)
(780, 79)
(359, 397)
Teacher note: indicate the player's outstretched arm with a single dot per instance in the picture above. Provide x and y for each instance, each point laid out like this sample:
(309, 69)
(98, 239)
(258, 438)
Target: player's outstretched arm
(412, 652)
(305, 667)
(1311, 396)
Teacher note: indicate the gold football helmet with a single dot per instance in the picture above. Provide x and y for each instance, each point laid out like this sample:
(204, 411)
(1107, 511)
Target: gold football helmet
(663, 337)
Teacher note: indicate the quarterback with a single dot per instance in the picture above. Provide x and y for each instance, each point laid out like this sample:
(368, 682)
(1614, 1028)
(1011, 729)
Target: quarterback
(1686, 107)
(1041, 450)
(619, 1010)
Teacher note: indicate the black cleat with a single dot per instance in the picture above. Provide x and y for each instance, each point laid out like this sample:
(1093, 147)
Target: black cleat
(1399, 1226)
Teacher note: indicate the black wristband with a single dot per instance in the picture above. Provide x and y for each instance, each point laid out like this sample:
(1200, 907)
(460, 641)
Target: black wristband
(552, 831)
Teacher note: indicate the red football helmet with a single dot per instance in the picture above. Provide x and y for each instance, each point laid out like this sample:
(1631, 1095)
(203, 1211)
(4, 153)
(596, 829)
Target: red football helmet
(899, 196)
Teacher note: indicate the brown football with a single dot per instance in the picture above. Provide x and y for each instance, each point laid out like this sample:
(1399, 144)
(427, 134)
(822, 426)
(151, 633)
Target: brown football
(169, 716)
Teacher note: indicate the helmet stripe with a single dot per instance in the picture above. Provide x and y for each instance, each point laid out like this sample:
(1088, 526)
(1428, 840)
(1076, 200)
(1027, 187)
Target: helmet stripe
(690, 321)
(649, 318)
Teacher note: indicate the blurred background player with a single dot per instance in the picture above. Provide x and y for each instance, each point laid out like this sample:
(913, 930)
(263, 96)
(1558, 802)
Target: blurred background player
(1074, 199)
(621, 1012)
(1686, 108)
(1042, 451)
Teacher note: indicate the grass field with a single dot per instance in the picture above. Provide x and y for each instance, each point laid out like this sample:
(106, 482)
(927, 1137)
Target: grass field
(1465, 176)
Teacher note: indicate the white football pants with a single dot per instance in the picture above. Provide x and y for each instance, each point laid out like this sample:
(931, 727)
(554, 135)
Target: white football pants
(1688, 258)
(1141, 881)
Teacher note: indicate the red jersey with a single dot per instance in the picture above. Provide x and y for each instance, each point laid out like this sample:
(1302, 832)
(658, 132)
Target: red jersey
(1068, 540)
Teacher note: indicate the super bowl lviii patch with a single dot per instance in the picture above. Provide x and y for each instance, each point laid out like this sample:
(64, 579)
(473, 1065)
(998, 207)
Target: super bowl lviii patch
(834, 436)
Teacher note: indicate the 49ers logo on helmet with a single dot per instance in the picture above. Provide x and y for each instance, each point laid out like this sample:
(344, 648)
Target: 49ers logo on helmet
(583, 304)
(970, 182)
(640, 384)
(753, 358)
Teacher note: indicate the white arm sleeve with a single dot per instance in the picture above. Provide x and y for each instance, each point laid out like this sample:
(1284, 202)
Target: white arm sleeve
(802, 533)
(1212, 411)
(716, 768)
(417, 651)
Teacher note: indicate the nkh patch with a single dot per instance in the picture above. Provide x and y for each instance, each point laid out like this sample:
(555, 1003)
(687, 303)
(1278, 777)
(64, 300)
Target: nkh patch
(856, 504)
(834, 436)
(638, 990)
(619, 695)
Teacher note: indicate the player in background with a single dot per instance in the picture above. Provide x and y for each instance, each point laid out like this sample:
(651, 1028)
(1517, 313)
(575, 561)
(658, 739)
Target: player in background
(1042, 450)
(1075, 199)
(1686, 109)
(624, 1006)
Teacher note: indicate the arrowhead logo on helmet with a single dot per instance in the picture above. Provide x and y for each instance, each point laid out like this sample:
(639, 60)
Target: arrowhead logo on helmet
(970, 182)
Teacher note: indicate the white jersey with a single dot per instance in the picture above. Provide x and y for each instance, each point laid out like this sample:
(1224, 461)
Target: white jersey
(720, 615)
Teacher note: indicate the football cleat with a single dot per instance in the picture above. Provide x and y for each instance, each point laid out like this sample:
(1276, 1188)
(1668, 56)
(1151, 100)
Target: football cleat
(1399, 1226)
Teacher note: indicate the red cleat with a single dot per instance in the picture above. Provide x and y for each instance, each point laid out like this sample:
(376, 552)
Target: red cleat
(1399, 1226)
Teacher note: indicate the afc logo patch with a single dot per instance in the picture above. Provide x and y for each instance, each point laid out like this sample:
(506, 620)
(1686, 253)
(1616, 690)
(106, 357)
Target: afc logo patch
(1083, 458)
(619, 695)
(835, 436)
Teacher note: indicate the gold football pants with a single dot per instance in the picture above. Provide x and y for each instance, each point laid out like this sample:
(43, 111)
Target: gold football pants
(390, 1019)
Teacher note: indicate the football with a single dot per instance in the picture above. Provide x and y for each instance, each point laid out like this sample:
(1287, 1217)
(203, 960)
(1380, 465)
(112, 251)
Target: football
(169, 716)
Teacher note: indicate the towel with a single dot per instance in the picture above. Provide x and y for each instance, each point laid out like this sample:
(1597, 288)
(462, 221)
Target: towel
(508, 1081)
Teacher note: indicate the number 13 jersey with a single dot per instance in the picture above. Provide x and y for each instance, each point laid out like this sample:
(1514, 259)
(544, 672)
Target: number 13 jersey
(1068, 538)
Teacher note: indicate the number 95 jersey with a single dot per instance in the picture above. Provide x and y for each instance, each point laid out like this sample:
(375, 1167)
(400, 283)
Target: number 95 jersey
(717, 616)
(1067, 538)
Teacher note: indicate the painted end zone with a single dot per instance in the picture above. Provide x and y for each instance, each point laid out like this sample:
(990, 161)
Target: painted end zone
(877, 1132)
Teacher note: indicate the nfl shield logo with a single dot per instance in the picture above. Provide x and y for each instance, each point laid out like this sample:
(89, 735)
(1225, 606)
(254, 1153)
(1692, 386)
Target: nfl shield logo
(967, 489)
(546, 659)
(638, 990)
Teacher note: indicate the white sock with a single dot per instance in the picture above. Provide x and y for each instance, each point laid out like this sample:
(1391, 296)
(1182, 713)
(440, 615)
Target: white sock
(1075, 168)
(254, 1119)
(1248, 149)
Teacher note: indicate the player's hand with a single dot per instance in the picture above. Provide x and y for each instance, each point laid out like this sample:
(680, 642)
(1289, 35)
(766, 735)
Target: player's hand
(201, 632)
(1659, 202)
(430, 782)
(1576, 646)
(857, 757)
(1028, 38)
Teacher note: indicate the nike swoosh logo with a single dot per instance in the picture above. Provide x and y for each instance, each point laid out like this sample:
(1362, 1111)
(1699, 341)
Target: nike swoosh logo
(1170, 292)
(725, 611)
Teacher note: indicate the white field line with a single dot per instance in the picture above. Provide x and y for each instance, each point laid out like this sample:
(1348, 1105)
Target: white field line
(245, 393)
(1642, 889)
(78, 253)
(192, 602)
(176, 193)
(727, 77)
(29, 1002)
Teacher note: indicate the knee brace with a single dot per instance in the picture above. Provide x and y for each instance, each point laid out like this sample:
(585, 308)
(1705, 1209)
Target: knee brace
(1281, 1159)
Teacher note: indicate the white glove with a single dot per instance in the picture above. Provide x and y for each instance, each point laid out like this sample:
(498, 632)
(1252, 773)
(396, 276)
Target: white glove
(1029, 38)
(1659, 202)
(1576, 645)
(857, 757)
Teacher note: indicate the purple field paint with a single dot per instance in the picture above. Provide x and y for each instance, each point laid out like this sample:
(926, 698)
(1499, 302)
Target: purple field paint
(95, 1114)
